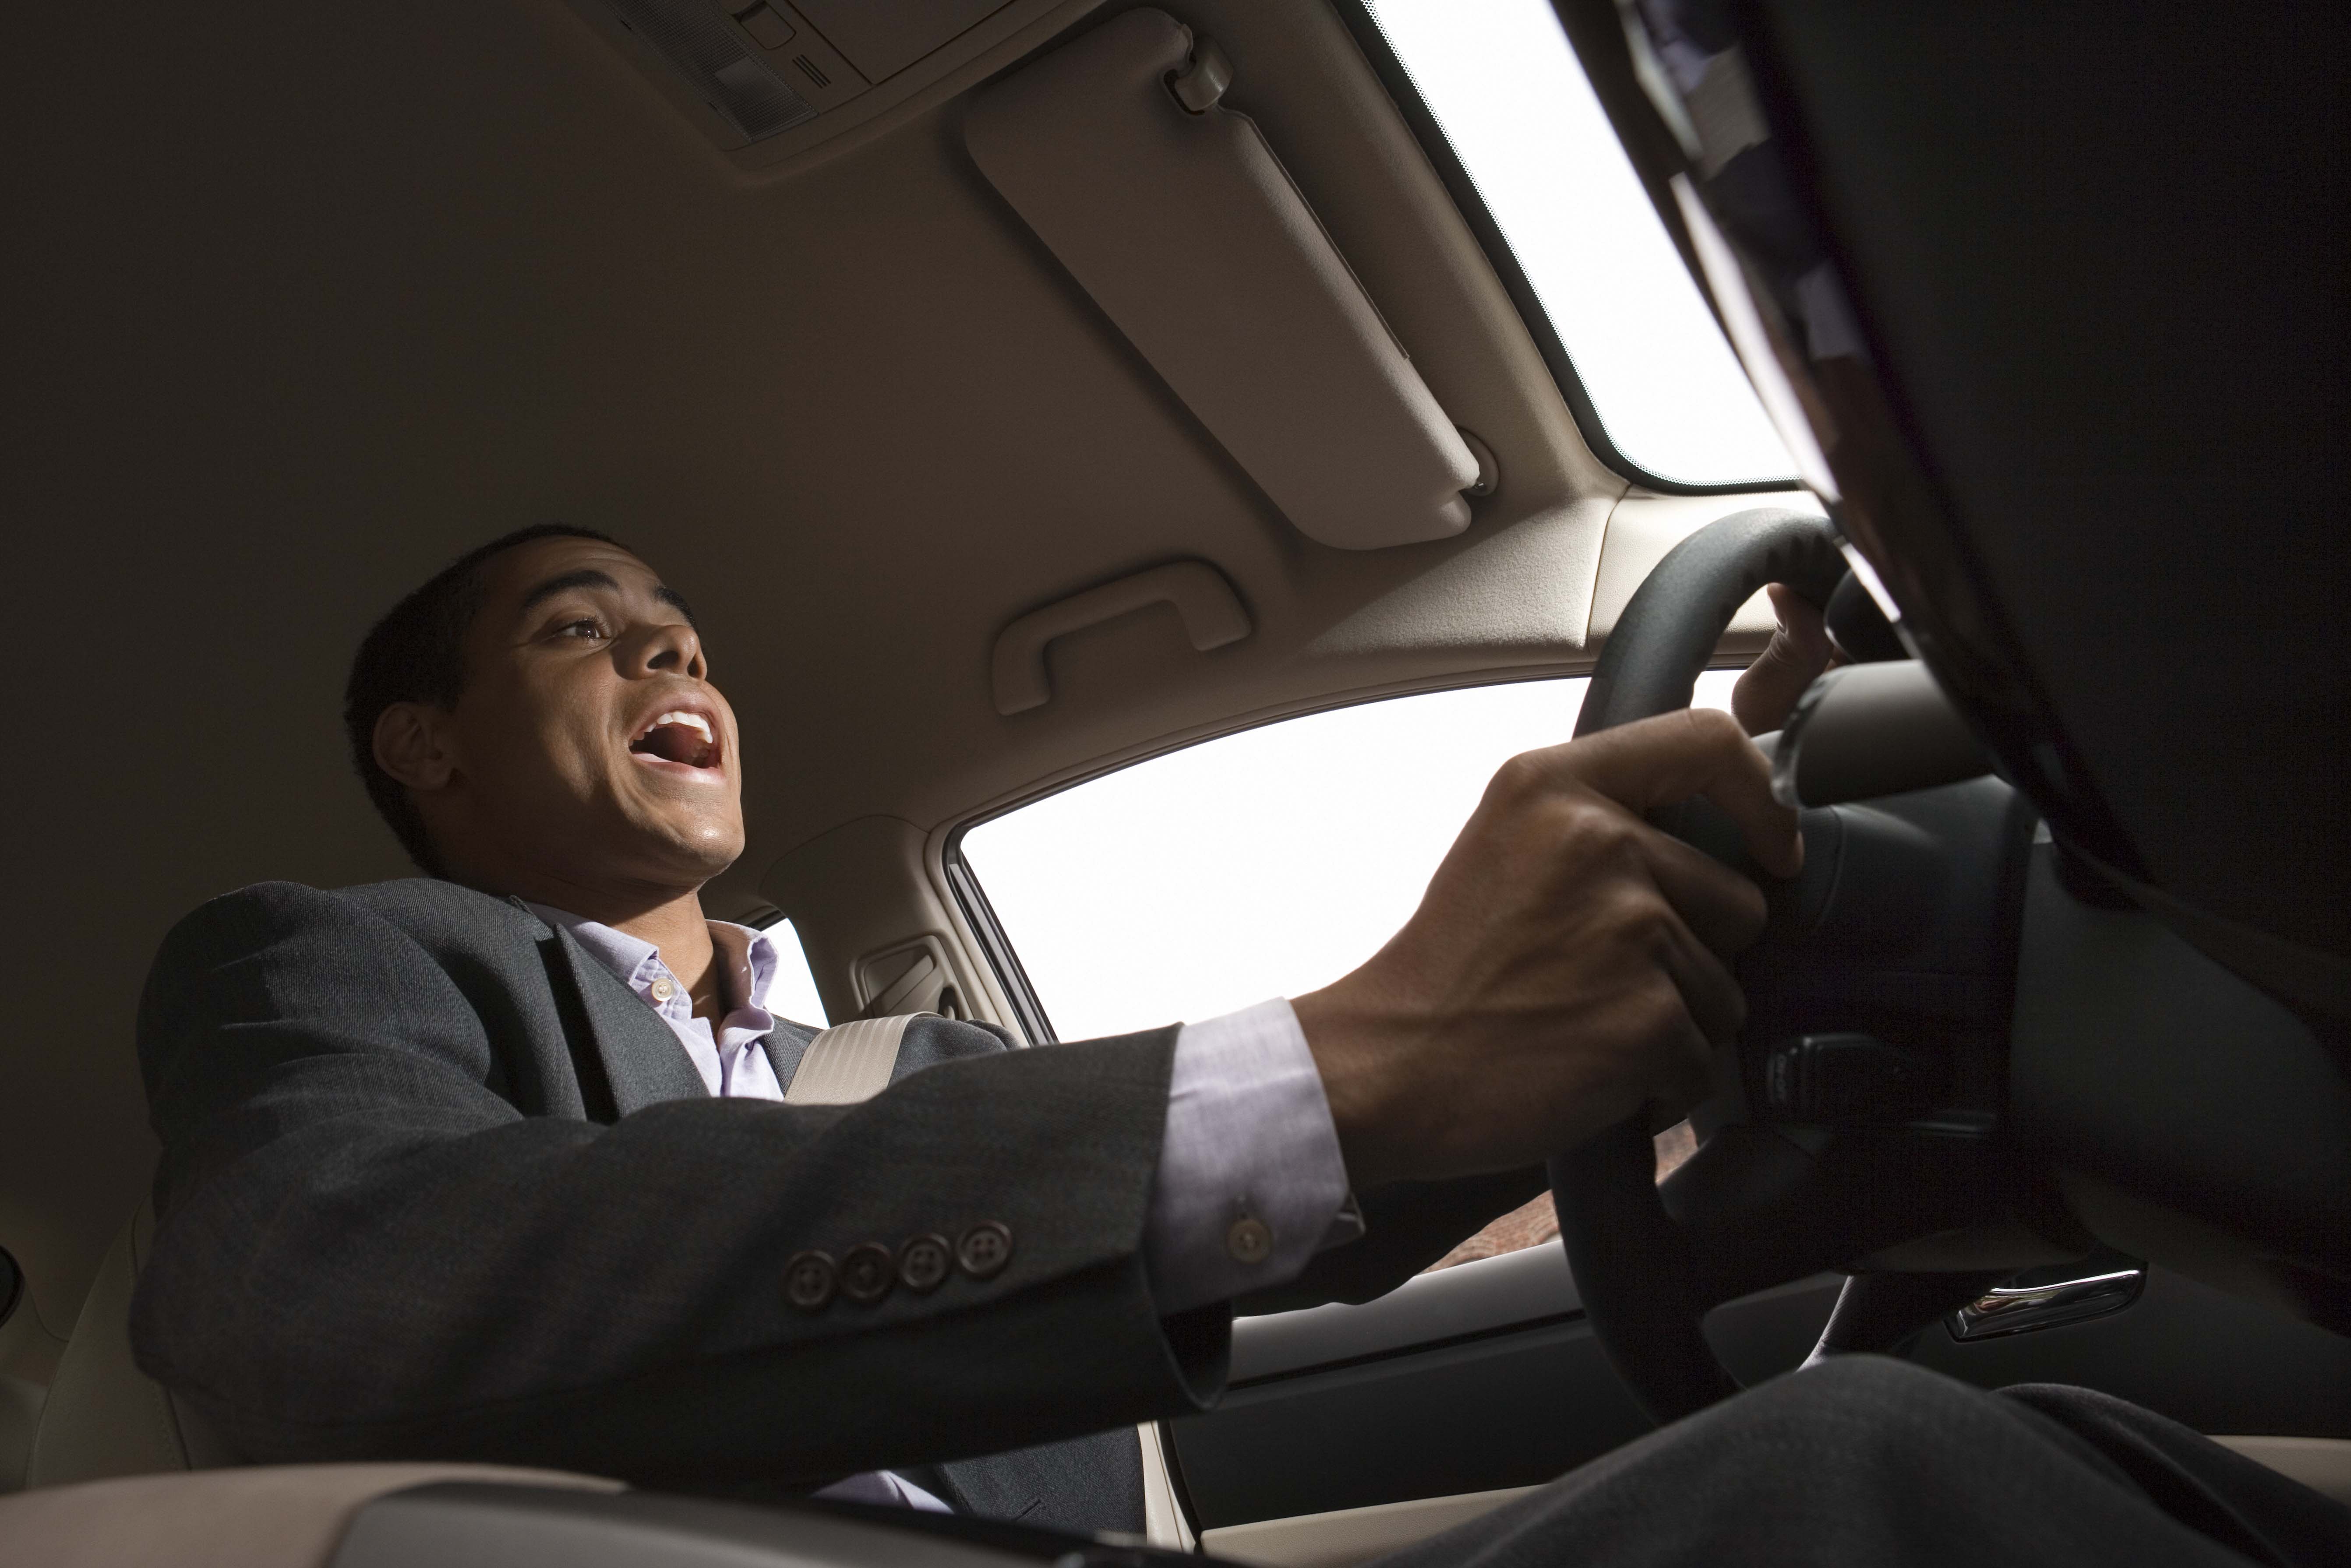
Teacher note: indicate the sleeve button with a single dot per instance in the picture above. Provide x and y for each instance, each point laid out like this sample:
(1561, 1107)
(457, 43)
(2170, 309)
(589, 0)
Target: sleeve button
(984, 1250)
(923, 1263)
(1249, 1240)
(867, 1273)
(809, 1281)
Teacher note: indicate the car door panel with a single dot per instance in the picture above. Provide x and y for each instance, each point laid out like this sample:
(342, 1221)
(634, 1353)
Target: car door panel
(1486, 1377)
(1481, 1377)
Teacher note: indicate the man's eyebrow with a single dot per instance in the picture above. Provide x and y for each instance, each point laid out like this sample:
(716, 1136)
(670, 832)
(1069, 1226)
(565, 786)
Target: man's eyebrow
(586, 577)
(592, 577)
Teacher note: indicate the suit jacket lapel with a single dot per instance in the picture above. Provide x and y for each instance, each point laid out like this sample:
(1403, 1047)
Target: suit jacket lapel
(785, 1045)
(615, 1038)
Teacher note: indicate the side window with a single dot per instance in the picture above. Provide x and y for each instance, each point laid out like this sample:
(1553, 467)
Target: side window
(1258, 865)
(792, 994)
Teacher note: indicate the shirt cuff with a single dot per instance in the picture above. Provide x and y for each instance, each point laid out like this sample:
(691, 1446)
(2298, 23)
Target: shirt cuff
(1250, 1182)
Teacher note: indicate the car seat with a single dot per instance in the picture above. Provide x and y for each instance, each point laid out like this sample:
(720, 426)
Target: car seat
(103, 1415)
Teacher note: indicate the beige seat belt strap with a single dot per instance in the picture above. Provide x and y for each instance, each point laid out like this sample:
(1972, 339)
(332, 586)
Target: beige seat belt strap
(850, 1062)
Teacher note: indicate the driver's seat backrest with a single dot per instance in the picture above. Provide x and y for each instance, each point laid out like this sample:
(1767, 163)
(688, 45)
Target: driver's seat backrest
(103, 1415)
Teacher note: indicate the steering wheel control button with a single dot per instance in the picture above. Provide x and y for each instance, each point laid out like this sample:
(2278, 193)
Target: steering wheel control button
(809, 1280)
(984, 1250)
(1250, 1239)
(923, 1263)
(868, 1272)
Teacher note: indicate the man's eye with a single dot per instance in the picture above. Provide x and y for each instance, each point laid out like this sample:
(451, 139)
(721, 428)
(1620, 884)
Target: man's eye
(579, 629)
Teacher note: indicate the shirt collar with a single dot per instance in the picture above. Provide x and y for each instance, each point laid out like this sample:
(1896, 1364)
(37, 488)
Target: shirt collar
(752, 959)
(751, 954)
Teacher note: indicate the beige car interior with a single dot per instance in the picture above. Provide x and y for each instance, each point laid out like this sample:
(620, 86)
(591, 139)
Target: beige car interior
(1007, 415)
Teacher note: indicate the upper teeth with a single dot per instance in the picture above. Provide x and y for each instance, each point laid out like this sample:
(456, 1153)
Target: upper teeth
(692, 720)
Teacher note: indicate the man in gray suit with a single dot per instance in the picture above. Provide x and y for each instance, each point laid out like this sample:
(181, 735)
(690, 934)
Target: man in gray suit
(501, 1162)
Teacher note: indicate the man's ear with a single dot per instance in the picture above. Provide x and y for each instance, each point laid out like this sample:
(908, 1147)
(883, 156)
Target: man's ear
(413, 744)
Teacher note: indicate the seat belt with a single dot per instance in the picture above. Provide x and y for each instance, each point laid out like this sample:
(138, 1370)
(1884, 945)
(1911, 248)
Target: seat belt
(850, 1062)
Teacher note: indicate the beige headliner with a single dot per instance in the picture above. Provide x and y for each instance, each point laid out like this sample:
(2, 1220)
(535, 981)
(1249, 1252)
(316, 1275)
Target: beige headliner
(305, 299)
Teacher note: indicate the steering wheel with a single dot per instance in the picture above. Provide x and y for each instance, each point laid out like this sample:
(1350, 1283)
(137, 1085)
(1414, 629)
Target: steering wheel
(1869, 1099)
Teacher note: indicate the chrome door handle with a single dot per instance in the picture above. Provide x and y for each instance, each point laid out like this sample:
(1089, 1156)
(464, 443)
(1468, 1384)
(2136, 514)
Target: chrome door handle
(2027, 1303)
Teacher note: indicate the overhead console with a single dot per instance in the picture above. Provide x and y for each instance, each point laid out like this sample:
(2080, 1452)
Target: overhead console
(1174, 214)
(779, 83)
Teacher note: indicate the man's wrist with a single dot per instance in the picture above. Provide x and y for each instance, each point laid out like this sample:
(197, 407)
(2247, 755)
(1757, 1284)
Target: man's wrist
(1346, 1037)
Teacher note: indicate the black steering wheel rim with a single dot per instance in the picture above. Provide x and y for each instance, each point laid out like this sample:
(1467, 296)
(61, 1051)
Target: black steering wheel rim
(1634, 1266)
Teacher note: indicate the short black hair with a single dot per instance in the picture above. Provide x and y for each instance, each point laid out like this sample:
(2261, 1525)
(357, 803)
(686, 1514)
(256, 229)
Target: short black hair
(416, 654)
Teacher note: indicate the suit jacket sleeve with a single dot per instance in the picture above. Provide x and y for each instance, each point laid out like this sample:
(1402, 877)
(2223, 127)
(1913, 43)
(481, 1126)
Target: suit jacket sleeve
(367, 1250)
(1407, 1227)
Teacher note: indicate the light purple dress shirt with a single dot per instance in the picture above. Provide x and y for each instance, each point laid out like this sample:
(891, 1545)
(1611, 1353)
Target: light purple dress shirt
(1250, 1182)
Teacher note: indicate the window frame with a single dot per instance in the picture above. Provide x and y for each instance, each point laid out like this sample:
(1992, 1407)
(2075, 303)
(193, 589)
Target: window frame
(1425, 129)
(996, 948)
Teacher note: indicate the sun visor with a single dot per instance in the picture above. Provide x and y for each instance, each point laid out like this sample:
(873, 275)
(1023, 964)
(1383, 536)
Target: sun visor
(1171, 212)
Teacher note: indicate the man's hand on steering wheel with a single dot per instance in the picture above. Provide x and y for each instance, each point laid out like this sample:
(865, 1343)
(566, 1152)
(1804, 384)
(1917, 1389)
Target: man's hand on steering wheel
(1800, 649)
(1567, 966)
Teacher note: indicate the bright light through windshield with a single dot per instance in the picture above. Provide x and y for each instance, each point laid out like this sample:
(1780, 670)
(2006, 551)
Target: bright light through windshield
(1513, 101)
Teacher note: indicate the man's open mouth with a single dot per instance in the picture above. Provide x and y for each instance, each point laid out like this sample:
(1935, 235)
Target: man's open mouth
(679, 736)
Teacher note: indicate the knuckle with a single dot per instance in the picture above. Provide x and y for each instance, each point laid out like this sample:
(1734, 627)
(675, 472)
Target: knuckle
(1637, 915)
(1589, 830)
(1717, 727)
(1518, 779)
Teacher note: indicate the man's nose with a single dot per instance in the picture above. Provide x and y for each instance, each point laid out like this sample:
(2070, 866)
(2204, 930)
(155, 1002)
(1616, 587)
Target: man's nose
(667, 650)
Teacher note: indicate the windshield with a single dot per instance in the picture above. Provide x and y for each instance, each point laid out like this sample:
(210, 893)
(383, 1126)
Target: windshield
(1508, 94)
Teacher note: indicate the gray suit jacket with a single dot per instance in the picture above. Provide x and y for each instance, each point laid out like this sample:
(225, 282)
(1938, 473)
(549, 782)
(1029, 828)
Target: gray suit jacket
(435, 1184)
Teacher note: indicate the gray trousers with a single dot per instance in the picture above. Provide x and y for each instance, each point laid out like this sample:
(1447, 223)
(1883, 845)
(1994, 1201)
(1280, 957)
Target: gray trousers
(1869, 1461)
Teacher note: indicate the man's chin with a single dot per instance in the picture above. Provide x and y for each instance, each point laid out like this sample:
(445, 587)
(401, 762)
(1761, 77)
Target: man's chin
(697, 860)
(671, 851)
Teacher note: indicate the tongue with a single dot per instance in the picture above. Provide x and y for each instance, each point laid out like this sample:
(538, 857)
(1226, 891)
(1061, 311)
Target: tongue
(673, 743)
